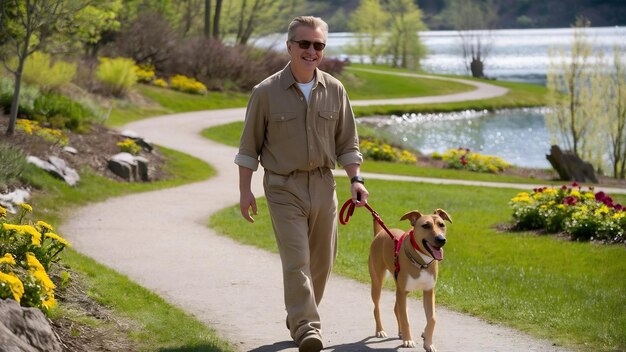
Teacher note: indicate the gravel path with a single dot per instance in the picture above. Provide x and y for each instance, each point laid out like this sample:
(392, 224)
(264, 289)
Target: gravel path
(160, 240)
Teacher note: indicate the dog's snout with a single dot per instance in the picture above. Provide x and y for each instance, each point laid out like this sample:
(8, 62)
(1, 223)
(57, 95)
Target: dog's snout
(441, 240)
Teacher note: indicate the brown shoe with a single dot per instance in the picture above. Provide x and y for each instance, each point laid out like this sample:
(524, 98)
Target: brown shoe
(311, 343)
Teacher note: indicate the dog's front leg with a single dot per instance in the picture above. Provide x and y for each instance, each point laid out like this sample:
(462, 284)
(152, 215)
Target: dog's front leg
(429, 310)
(403, 318)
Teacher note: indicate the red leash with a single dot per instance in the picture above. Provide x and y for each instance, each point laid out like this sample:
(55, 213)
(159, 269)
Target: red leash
(350, 207)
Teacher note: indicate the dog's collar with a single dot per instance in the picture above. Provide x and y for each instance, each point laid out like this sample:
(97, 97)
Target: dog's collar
(420, 251)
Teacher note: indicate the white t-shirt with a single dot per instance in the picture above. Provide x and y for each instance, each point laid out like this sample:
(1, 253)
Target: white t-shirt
(306, 89)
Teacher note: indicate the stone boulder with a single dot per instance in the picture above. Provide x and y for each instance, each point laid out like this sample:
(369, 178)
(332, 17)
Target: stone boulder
(8, 200)
(57, 167)
(25, 329)
(570, 167)
(129, 167)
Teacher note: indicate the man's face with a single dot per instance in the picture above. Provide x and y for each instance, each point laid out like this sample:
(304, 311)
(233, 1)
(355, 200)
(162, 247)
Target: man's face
(306, 60)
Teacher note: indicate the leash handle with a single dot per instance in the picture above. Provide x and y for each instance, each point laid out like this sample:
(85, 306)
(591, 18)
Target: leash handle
(349, 206)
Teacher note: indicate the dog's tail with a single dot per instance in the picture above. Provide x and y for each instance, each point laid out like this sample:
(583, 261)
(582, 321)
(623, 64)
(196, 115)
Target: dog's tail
(377, 226)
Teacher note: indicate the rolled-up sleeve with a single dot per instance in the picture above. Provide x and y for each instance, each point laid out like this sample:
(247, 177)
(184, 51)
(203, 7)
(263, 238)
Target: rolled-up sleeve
(253, 133)
(346, 138)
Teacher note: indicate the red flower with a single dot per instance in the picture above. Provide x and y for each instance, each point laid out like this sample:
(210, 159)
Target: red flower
(570, 200)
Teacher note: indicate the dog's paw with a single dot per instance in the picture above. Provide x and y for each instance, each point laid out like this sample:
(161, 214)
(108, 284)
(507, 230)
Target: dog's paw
(430, 348)
(408, 343)
(381, 334)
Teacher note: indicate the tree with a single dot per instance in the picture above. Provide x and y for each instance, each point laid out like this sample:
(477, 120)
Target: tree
(26, 25)
(614, 95)
(370, 23)
(576, 104)
(216, 19)
(93, 21)
(474, 21)
(405, 46)
(247, 18)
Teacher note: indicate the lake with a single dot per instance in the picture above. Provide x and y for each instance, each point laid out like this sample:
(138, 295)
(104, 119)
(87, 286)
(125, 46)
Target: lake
(518, 136)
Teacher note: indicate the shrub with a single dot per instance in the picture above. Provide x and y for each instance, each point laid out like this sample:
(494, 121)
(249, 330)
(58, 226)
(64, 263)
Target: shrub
(187, 85)
(117, 75)
(333, 65)
(29, 250)
(463, 158)
(145, 73)
(28, 94)
(59, 111)
(12, 164)
(160, 83)
(376, 150)
(581, 214)
(39, 70)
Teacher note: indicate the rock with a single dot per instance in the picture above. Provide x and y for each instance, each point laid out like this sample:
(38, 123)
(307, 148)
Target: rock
(142, 142)
(570, 167)
(129, 167)
(70, 150)
(130, 134)
(9, 200)
(57, 167)
(25, 329)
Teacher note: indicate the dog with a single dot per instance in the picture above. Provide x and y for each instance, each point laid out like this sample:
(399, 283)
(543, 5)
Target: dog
(416, 254)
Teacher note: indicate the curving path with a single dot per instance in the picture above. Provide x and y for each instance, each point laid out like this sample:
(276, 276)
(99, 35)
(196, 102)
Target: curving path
(160, 240)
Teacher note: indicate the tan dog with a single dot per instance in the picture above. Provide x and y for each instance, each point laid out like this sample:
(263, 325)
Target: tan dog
(417, 256)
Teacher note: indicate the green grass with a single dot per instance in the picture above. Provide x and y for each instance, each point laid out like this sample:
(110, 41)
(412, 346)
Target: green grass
(520, 95)
(171, 102)
(570, 293)
(161, 326)
(369, 85)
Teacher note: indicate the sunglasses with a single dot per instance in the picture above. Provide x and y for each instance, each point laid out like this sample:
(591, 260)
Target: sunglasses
(305, 44)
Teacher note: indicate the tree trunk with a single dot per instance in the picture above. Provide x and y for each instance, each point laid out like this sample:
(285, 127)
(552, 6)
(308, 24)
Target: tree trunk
(207, 18)
(476, 66)
(216, 19)
(16, 99)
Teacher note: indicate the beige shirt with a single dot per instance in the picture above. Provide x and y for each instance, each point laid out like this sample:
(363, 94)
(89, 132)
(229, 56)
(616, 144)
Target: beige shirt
(286, 134)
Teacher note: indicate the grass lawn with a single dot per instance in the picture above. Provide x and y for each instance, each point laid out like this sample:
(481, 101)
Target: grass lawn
(570, 293)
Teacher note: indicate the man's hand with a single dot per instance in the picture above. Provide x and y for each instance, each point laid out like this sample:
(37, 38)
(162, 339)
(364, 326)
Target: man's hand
(359, 194)
(247, 201)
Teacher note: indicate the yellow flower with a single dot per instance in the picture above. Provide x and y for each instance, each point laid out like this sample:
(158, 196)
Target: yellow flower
(575, 193)
(15, 285)
(7, 259)
(57, 238)
(3, 212)
(33, 262)
(25, 229)
(25, 206)
(42, 224)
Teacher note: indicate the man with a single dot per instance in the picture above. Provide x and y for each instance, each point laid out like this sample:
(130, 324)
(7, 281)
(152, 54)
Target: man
(299, 124)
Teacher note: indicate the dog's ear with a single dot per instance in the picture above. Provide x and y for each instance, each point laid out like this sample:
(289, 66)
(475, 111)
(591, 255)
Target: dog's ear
(442, 214)
(412, 216)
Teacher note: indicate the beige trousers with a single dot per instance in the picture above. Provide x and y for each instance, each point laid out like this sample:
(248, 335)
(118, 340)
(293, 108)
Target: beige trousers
(303, 208)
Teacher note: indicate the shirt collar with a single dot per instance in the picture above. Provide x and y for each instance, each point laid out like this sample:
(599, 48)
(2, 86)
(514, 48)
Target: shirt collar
(287, 79)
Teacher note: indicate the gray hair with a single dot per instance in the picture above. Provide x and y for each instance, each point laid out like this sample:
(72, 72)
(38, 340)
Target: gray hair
(309, 21)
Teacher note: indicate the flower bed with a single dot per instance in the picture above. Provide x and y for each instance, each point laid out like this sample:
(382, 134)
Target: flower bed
(581, 214)
(463, 158)
(27, 253)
